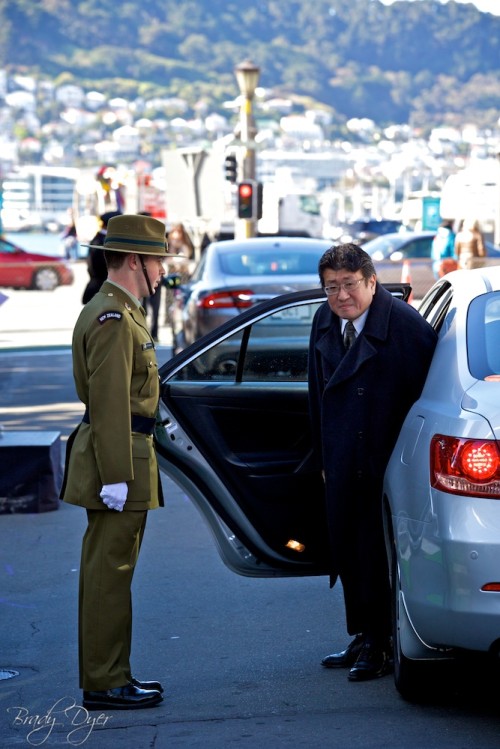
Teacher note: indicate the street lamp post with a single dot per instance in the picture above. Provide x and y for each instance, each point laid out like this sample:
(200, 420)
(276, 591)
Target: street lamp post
(247, 76)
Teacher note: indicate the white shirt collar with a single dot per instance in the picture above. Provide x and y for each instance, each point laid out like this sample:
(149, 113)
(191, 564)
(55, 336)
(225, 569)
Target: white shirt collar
(359, 322)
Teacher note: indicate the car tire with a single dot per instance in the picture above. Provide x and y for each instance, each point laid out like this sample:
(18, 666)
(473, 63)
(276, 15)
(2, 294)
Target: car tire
(415, 680)
(407, 677)
(45, 279)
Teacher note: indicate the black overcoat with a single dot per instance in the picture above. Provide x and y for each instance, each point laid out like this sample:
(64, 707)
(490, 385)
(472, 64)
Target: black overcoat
(358, 402)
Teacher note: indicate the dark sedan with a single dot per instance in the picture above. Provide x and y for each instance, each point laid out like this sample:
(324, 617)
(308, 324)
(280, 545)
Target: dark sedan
(234, 275)
(20, 269)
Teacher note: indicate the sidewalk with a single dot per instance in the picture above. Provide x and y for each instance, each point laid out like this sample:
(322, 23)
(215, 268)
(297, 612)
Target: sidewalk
(46, 318)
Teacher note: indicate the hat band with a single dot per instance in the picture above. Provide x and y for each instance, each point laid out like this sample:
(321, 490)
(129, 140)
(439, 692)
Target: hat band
(124, 240)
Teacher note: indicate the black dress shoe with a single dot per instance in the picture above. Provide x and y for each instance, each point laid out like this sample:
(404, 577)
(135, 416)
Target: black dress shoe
(372, 662)
(129, 697)
(346, 657)
(147, 685)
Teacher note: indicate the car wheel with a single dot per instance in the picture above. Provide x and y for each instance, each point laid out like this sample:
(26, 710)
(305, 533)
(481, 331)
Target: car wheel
(406, 676)
(45, 279)
(415, 680)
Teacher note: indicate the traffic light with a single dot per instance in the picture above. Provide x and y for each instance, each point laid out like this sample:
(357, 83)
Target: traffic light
(260, 196)
(231, 168)
(246, 200)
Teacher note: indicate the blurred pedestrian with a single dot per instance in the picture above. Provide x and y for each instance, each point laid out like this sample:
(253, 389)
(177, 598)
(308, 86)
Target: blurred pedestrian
(70, 240)
(179, 244)
(368, 360)
(111, 467)
(469, 245)
(443, 249)
(96, 264)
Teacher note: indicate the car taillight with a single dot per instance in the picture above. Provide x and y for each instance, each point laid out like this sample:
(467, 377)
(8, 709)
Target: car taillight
(237, 298)
(465, 466)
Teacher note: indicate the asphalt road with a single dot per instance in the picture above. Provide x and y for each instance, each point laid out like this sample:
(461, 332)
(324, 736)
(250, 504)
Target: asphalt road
(239, 658)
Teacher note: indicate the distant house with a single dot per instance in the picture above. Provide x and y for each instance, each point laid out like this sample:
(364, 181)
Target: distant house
(300, 127)
(127, 139)
(24, 100)
(70, 95)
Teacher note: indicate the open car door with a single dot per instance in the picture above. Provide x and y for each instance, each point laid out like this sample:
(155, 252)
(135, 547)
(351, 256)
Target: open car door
(234, 434)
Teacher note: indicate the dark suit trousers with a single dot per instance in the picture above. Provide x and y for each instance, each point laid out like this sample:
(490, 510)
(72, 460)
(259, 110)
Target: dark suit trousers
(110, 550)
(365, 581)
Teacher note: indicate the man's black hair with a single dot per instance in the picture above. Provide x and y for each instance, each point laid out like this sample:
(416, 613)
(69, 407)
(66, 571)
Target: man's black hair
(348, 256)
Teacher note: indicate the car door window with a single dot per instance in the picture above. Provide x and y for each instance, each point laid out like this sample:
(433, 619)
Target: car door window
(273, 349)
(216, 364)
(277, 347)
(435, 304)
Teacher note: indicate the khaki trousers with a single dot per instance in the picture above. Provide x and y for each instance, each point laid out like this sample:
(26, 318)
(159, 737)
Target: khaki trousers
(110, 550)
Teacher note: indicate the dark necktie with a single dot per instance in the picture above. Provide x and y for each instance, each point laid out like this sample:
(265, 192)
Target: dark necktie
(349, 334)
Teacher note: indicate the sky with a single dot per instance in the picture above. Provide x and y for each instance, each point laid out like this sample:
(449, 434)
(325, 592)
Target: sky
(486, 6)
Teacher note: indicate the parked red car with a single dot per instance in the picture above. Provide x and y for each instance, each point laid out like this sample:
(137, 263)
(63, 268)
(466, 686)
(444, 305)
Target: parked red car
(20, 269)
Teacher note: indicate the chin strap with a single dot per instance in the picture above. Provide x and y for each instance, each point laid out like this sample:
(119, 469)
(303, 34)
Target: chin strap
(144, 270)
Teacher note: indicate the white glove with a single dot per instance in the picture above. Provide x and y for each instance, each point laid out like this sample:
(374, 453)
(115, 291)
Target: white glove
(114, 496)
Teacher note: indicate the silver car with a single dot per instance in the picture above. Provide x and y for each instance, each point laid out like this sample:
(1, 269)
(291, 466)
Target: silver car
(442, 488)
(406, 256)
(234, 275)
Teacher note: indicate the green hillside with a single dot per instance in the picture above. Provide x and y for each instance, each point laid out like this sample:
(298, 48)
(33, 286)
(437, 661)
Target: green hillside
(419, 62)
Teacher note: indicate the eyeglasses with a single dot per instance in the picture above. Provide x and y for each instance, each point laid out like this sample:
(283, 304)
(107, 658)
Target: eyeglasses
(348, 286)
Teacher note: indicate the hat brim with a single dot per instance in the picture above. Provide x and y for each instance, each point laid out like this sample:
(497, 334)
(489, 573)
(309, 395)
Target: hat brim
(129, 251)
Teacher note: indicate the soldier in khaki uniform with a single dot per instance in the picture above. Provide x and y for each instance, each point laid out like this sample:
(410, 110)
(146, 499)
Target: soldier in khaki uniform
(111, 467)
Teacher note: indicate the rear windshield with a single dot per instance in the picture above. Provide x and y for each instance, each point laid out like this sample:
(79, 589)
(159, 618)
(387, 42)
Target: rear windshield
(483, 335)
(238, 263)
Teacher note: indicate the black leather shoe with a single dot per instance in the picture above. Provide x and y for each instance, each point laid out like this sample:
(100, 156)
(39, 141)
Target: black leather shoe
(148, 685)
(129, 697)
(372, 662)
(346, 657)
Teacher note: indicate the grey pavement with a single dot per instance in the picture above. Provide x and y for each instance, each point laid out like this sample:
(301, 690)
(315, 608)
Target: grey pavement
(204, 632)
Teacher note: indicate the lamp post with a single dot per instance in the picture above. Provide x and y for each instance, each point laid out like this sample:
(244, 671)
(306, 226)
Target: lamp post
(247, 76)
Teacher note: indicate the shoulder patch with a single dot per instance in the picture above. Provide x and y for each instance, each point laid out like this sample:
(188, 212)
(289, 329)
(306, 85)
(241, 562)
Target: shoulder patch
(147, 346)
(111, 315)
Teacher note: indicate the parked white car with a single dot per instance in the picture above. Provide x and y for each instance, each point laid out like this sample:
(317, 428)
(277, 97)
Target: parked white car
(442, 488)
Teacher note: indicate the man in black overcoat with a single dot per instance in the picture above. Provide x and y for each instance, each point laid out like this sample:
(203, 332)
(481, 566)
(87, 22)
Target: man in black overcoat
(362, 383)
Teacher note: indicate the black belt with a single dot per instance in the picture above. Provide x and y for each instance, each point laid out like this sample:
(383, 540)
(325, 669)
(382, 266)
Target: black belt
(142, 424)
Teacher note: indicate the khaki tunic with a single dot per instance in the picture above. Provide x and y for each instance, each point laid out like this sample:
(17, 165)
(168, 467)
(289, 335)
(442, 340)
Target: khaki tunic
(116, 375)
